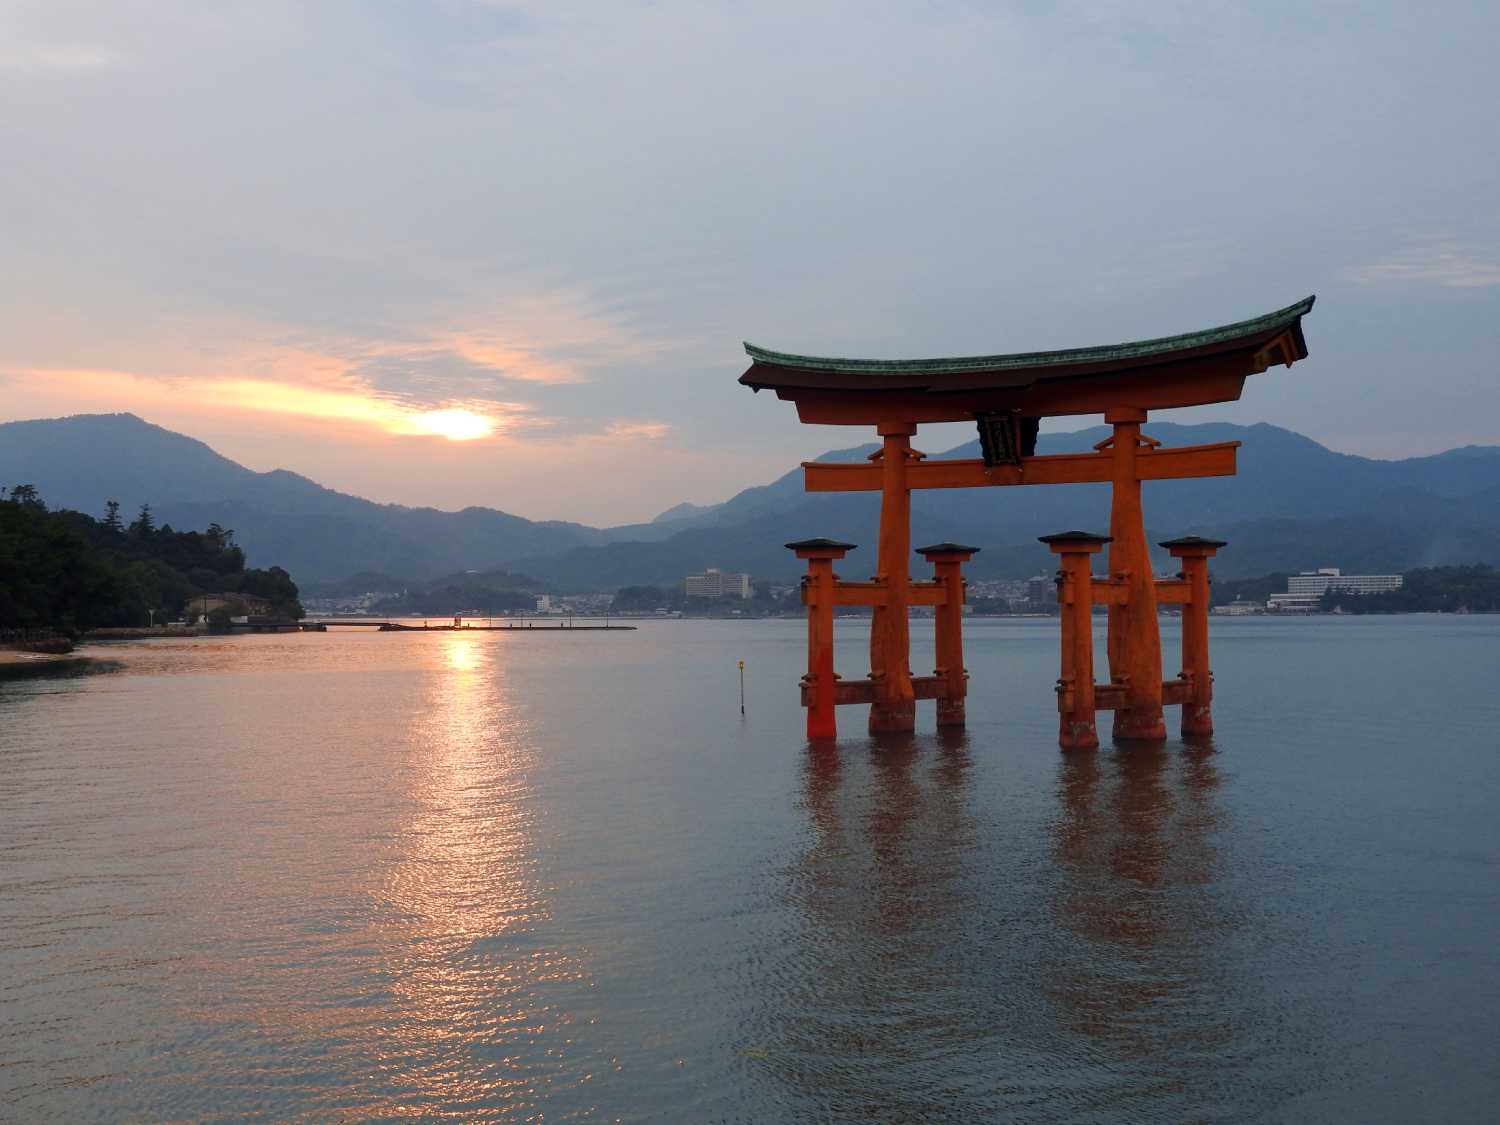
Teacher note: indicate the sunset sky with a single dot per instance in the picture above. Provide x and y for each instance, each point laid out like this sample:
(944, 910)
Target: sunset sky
(459, 252)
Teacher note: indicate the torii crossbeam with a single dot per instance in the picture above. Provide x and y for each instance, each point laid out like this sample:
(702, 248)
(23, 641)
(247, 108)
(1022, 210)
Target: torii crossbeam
(1008, 395)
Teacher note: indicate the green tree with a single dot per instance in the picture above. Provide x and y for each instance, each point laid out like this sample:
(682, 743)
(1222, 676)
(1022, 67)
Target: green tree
(277, 587)
(144, 526)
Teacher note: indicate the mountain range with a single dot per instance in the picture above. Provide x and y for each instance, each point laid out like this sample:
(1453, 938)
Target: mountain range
(1294, 505)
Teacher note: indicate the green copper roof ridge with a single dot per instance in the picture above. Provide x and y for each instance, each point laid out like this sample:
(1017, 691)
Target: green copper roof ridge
(1127, 350)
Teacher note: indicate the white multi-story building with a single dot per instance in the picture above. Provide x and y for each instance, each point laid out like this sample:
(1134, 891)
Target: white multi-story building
(716, 583)
(1304, 591)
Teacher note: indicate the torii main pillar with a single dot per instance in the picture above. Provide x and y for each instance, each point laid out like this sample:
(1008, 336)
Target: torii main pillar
(895, 706)
(1134, 635)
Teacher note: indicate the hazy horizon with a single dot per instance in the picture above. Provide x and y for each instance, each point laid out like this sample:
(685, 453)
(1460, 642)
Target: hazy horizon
(320, 237)
(657, 504)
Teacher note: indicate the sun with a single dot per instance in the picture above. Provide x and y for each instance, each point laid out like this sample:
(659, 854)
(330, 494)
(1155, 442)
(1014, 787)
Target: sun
(456, 425)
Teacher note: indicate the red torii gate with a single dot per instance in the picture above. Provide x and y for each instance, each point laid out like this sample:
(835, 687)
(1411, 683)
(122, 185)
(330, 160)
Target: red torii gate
(1008, 395)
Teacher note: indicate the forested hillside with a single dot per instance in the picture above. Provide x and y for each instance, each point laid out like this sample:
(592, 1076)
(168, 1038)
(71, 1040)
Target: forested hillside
(66, 571)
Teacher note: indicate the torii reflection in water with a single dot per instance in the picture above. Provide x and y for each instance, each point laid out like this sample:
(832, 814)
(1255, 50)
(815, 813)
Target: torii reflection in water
(845, 992)
(953, 950)
(1145, 968)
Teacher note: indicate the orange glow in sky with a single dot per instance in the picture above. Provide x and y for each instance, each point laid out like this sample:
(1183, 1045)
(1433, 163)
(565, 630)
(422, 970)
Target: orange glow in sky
(455, 425)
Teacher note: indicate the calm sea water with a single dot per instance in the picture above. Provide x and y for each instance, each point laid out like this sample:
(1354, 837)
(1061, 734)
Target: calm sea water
(559, 878)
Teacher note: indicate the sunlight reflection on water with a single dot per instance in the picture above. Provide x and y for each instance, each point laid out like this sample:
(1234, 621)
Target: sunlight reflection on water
(466, 905)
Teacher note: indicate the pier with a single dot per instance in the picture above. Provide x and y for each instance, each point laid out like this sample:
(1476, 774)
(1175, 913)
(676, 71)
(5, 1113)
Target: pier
(461, 627)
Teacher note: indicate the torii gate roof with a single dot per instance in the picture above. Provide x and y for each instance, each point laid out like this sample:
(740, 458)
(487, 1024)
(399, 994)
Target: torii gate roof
(1186, 370)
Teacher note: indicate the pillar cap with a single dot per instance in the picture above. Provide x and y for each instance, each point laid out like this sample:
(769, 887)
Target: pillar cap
(1192, 542)
(1074, 537)
(948, 549)
(1075, 542)
(829, 547)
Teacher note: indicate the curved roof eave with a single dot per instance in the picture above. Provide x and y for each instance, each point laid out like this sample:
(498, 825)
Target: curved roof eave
(1136, 350)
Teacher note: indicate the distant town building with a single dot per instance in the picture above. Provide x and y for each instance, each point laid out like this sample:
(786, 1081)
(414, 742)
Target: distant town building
(544, 603)
(349, 603)
(1238, 609)
(715, 583)
(1304, 591)
(236, 605)
(1042, 590)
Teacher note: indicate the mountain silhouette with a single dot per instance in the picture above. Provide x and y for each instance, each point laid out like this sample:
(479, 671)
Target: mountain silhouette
(1294, 505)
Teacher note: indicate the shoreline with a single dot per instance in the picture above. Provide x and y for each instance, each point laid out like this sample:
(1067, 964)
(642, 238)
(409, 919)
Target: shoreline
(19, 665)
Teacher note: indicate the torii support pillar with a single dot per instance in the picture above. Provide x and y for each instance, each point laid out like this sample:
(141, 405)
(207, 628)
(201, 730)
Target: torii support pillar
(818, 594)
(1134, 634)
(947, 561)
(1197, 711)
(1075, 599)
(895, 705)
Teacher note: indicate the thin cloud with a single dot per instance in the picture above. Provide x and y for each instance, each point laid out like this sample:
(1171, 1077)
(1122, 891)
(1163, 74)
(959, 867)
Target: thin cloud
(651, 431)
(426, 377)
(1446, 265)
(510, 361)
(57, 59)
